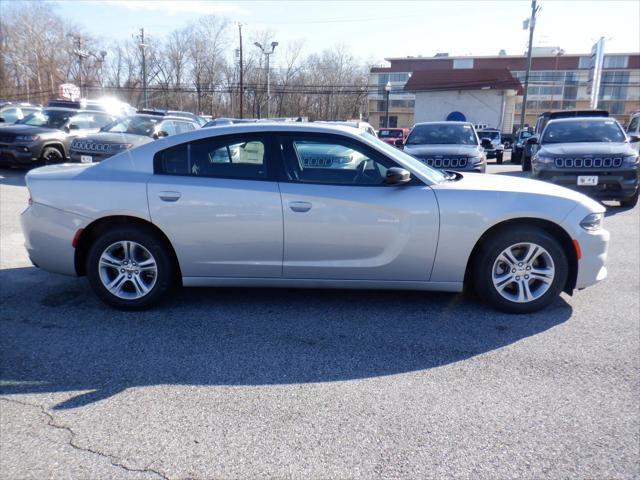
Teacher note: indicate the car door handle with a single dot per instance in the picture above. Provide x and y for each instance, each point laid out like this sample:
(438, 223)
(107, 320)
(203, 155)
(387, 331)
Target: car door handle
(300, 206)
(169, 196)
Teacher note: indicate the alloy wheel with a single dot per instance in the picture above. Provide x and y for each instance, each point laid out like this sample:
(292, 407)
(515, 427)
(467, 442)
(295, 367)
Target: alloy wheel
(128, 270)
(523, 272)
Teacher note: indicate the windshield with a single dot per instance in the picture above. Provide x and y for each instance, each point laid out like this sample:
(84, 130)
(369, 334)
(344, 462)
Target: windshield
(442, 134)
(47, 119)
(434, 176)
(525, 134)
(583, 132)
(90, 120)
(386, 133)
(491, 135)
(135, 125)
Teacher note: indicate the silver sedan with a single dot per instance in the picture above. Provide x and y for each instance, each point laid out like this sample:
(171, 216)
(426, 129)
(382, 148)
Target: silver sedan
(279, 205)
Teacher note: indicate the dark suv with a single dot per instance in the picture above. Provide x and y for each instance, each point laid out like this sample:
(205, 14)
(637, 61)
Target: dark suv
(44, 137)
(447, 145)
(126, 133)
(593, 155)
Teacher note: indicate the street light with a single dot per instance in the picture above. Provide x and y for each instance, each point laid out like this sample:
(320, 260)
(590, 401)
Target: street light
(387, 91)
(267, 54)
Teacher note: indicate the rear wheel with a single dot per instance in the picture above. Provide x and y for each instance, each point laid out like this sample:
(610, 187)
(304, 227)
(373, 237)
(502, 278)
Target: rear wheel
(516, 156)
(526, 163)
(521, 270)
(499, 158)
(129, 268)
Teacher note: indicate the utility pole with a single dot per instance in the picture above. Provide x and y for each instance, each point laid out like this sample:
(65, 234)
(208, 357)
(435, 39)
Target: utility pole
(145, 102)
(81, 54)
(241, 74)
(532, 25)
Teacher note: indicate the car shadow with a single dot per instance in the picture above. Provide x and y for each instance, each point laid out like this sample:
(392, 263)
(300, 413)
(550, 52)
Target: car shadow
(14, 177)
(55, 336)
(614, 208)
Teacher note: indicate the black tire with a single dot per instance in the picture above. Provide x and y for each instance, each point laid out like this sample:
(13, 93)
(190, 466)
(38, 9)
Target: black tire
(516, 156)
(494, 245)
(630, 202)
(499, 158)
(526, 164)
(51, 155)
(165, 268)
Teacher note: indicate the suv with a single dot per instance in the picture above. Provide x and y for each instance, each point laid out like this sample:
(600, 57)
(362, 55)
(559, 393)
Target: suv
(633, 130)
(12, 112)
(544, 118)
(519, 143)
(447, 145)
(496, 149)
(44, 136)
(589, 154)
(126, 133)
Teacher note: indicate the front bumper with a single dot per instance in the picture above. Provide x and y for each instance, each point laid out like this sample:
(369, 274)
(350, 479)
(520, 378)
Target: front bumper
(14, 155)
(76, 156)
(613, 184)
(593, 246)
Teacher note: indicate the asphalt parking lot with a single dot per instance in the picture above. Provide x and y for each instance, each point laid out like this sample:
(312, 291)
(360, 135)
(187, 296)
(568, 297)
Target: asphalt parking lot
(239, 383)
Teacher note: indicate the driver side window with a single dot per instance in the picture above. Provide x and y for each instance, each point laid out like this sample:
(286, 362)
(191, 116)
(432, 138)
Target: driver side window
(337, 162)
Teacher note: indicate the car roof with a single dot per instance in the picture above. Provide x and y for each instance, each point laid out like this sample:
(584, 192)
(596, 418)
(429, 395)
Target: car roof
(443, 122)
(582, 119)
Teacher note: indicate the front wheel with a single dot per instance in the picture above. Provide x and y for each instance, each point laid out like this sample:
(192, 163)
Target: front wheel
(51, 155)
(630, 202)
(521, 270)
(129, 268)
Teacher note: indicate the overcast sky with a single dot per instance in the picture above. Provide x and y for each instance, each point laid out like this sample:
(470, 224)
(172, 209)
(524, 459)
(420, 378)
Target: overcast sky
(374, 30)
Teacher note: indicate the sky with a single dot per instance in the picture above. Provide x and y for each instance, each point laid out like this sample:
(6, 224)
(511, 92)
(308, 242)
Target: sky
(374, 30)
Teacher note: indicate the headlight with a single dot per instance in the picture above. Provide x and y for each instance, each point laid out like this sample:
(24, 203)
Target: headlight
(631, 159)
(27, 138)
(477, 159)
(543, 159)
(592, 222)
(117, 147)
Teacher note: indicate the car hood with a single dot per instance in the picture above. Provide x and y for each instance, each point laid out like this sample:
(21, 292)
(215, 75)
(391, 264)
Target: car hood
(422, 150)
(514, 185)
(586, 149)
(27, 129)
(109, 137)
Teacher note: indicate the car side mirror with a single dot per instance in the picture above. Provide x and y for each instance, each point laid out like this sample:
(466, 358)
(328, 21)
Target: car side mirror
(159, 134)
(73, 126)
(397, 176)
(486, 143)
(532, 141)
(634, 138)
(399, 143)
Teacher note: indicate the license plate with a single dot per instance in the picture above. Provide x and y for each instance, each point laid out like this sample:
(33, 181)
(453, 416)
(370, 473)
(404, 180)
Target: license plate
(86, 159)
(587, 180)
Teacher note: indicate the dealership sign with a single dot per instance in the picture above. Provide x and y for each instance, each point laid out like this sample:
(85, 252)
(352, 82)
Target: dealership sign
(69, 91)
(595, 72)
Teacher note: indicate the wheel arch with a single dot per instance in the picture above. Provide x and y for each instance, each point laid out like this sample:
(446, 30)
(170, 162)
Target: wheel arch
(556, 230)
(95, 228)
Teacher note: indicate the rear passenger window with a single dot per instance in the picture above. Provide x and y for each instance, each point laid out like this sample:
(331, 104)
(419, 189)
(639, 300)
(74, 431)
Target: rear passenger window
(231, 158)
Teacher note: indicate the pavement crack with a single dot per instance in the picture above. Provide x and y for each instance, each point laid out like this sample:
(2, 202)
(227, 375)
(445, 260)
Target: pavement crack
(72, 436)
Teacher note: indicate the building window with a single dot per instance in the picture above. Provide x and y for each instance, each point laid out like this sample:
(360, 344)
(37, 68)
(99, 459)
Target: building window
(462, 63)
(614, 108)
(584, 62)
(614, 85)
(616, 61)
(393, 121)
